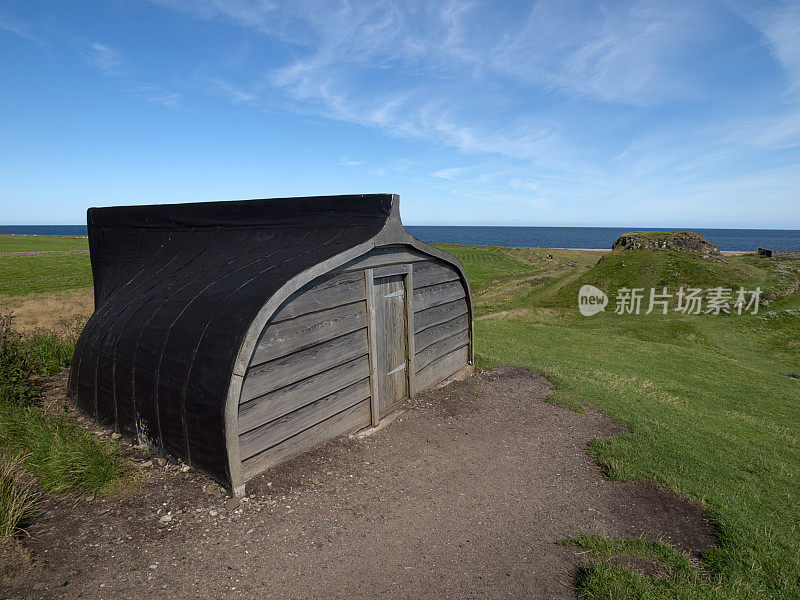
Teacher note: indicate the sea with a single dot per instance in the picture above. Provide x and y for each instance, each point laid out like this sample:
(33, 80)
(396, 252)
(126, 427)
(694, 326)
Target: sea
(786, 240)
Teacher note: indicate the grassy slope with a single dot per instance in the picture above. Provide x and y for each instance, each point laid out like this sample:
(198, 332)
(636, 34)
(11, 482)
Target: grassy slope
(38, 243)
(500, 277)
(488, 266)
(672, 269)
(710, 414)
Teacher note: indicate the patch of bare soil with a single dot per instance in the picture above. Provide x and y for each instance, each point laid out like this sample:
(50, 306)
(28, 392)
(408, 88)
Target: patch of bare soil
(464, 495)
(15, 559)
(59, 311)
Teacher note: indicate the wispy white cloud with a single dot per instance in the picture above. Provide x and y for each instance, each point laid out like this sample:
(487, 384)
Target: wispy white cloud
(20, 29)
(103, 58)
(779, 24)
(560, 102)
(112, 63)
(624, 52)
(155, 95)
(448, 60)
(256, 14)
(449, 174)
(352, 163)
(226, 89)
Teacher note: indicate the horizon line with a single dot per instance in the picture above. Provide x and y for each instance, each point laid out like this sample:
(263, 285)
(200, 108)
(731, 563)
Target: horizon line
(629, 228)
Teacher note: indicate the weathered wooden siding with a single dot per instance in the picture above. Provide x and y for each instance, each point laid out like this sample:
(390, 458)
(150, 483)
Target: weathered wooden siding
(308, 378)
(441, 323)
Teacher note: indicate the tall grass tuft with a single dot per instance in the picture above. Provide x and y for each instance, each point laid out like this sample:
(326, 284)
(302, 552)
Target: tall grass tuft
(16, 497)
(24, 357)
(49, 351)
(16, 367)
(64, 458)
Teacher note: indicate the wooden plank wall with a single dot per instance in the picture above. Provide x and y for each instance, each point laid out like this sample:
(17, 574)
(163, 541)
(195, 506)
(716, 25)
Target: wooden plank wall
(441, 323)
(308, 378)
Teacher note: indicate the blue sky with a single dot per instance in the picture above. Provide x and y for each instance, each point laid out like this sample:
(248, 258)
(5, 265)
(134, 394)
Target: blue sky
(663, 114)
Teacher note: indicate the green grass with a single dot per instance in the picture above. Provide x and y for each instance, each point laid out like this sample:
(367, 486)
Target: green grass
(63, 457)
(678, 563)
(39, 243)
(17, 498)
(499, 277)
(709, 413)
(24, 357)
(671, 269)
(20, 275)
(656, 236)
(488, 266)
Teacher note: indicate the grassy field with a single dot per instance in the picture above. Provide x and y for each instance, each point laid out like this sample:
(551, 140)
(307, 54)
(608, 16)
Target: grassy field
(49, 295)
(709, 411)
(45, 291)
(21, 275)
(41, 243)
(35, 442)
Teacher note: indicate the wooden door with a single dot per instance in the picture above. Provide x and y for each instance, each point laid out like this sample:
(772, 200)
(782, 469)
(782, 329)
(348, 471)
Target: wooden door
(391, 347)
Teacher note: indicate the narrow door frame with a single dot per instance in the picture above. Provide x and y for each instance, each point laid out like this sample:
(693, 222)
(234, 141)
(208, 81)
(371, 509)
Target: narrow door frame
(408, 280)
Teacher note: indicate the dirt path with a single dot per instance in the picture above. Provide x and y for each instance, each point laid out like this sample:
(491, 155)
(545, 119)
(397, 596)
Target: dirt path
(463, 496)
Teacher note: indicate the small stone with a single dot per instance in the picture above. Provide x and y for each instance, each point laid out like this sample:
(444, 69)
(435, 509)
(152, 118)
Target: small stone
(232, 503)
(90, 498)
(153, 567)
(166, 518)
(162, 462)
(116, 436)
(245, 499)
(213, 513)
(147, 464)
(185, 468)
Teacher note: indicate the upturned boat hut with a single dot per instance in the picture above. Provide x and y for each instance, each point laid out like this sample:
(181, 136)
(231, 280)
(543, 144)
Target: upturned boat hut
(237, 334)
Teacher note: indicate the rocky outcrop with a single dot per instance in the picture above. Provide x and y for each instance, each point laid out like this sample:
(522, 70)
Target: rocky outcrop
(666, 240)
